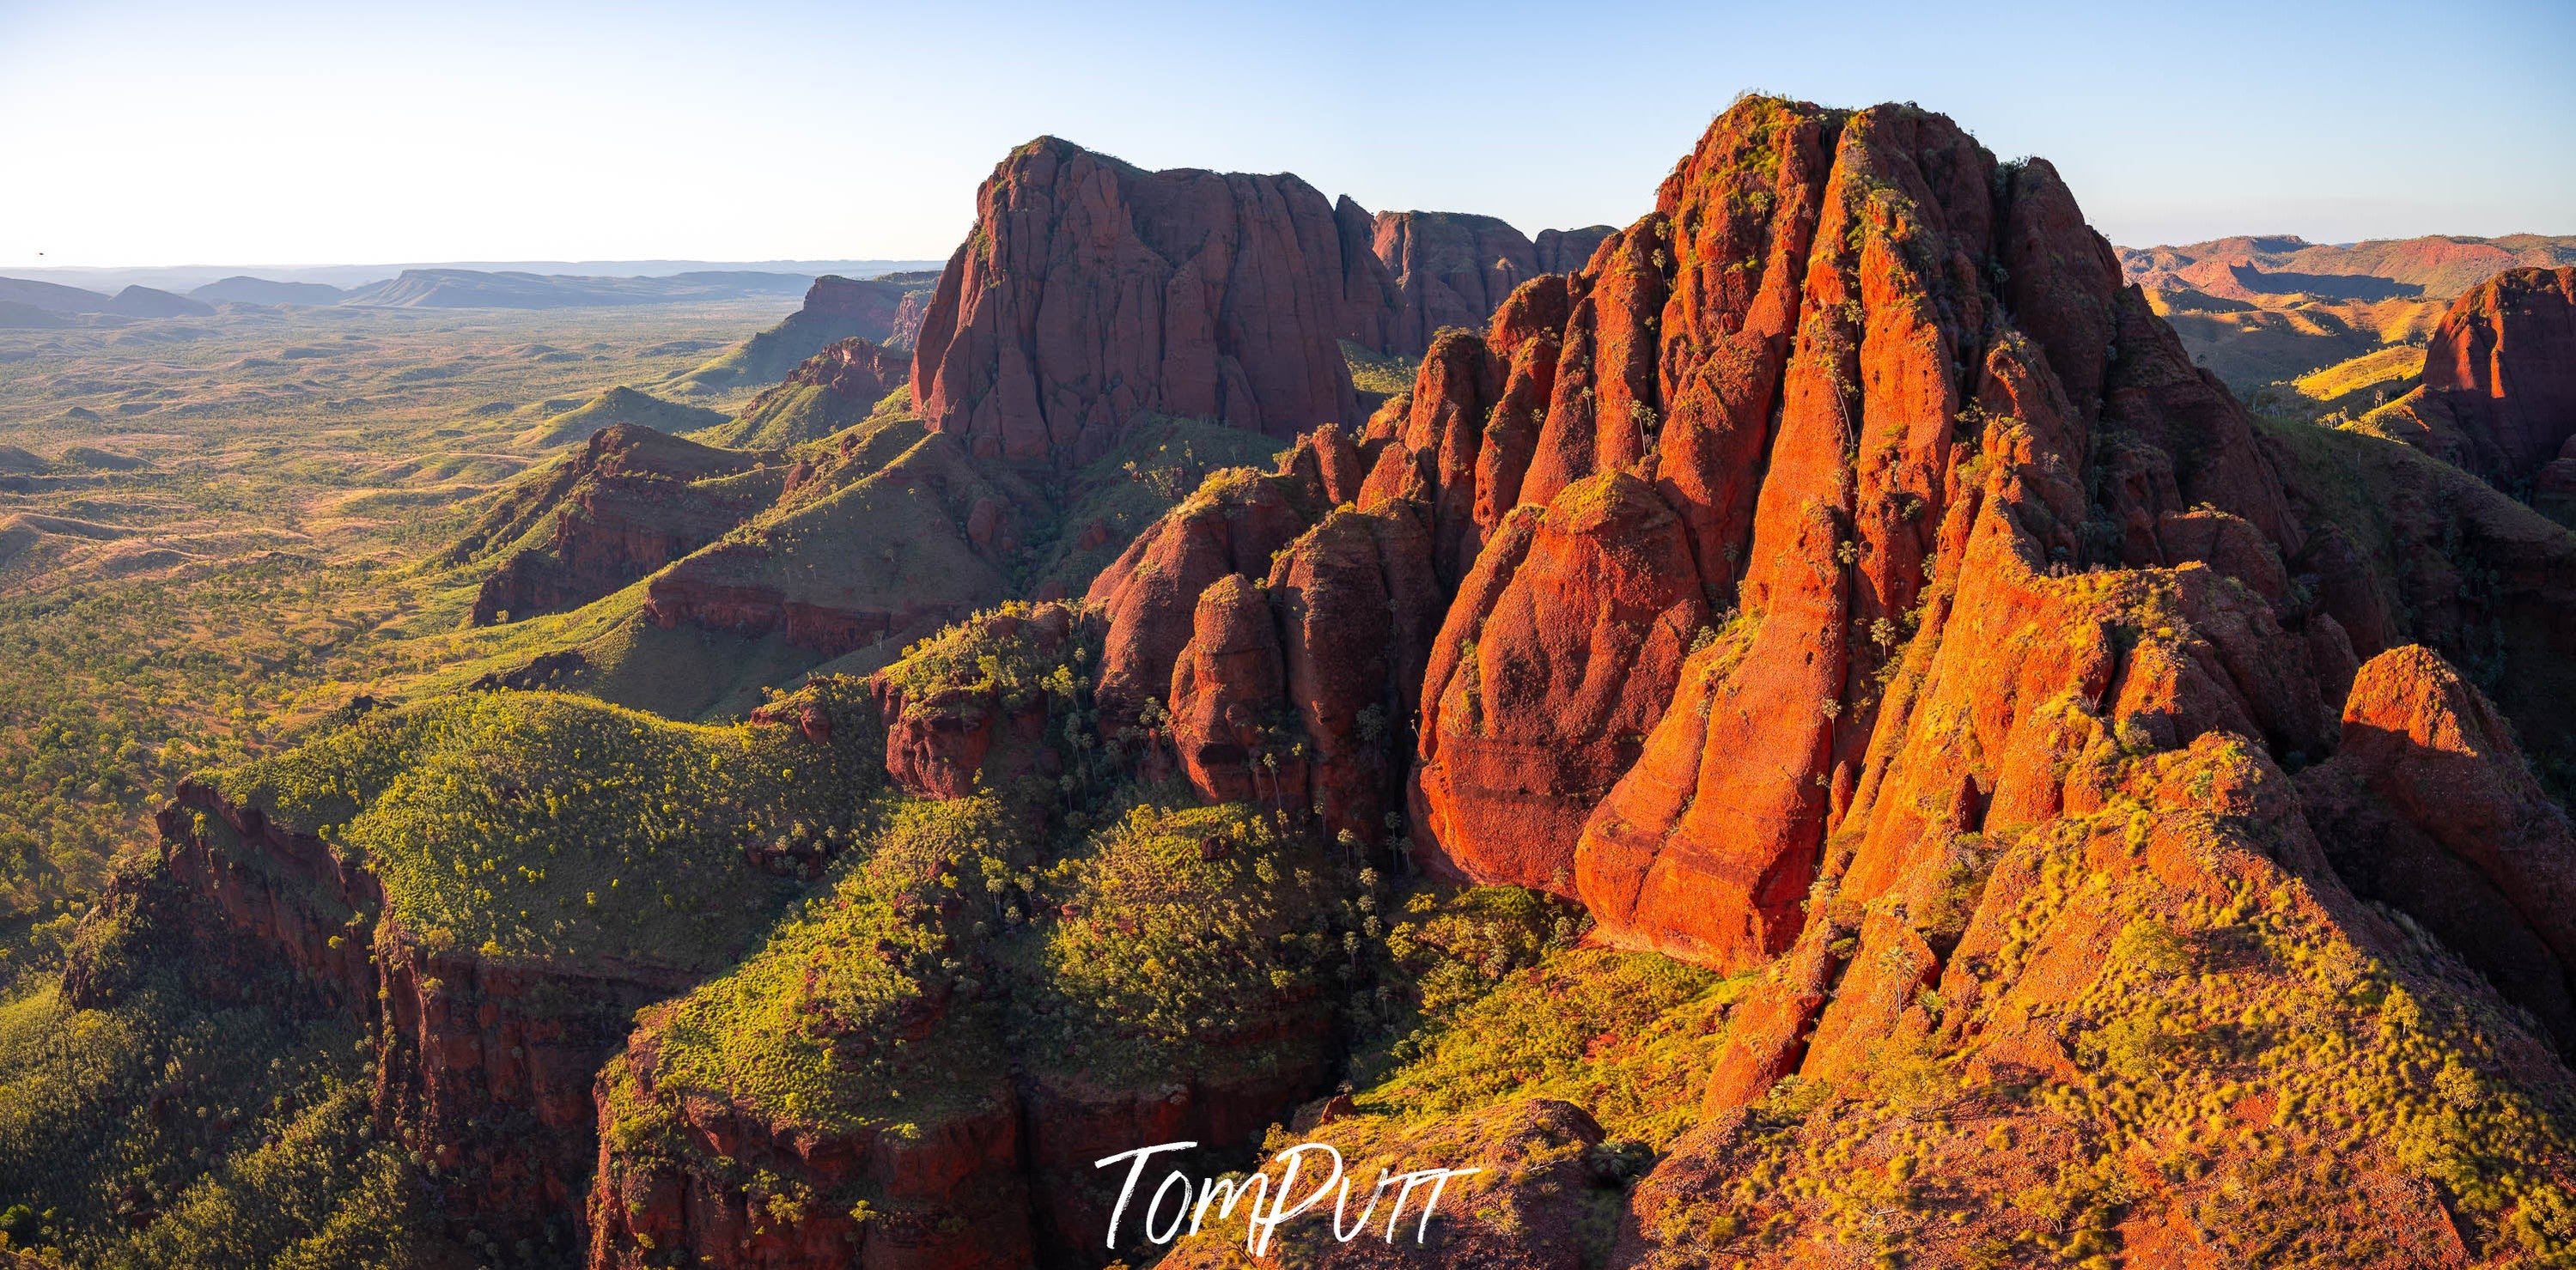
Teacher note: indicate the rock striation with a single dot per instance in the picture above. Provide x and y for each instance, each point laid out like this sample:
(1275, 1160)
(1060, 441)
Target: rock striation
(1093, 291)
(1448, 269)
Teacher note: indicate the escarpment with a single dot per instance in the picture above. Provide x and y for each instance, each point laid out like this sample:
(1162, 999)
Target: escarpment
(631, 502)
(483, 1069)
(357, 874)
(885, 1084)
(1092, 291)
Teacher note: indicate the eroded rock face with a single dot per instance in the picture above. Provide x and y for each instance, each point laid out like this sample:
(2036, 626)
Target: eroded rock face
(1228, 690)
(1233, 525)
(876, 307)
(2499, 391)
(1447, 269)
(1561, 652)
(950, 726)
(1092, 291)
(2429, 808)
(1293, 695)
(631, 502)
(1798, 377)
(483, 1069)
(947, 1195)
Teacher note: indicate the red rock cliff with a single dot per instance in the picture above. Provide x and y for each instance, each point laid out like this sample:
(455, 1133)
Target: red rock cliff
(2499, 391)
(1092, 291)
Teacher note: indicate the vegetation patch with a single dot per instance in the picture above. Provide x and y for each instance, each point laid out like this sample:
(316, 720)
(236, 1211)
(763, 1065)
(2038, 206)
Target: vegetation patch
(539, 825)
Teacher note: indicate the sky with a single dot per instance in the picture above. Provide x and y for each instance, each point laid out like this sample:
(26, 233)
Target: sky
(137, 134)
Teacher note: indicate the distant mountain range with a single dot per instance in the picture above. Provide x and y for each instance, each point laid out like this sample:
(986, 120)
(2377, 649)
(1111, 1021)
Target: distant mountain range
(2435, 266)
(29, 303)
(475, 289)
(2283, 320)
(35, 302)
(194, 279)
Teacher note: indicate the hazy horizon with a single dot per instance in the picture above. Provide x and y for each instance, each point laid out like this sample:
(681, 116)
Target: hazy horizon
(572, 133)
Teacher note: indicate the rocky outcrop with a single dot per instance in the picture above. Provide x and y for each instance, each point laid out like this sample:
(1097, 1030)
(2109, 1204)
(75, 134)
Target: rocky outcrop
(1227, 691)
(632, 501)
(482, 1069)
(2499, 394)
(1357, 609)
(1273, 629)
(2429, 808)
(1293, 694)
(1560, 653)
(973, 707)
(1782, 379)
(1092, 291)
(1450, 269)
(1233, 524)
(875, 307)
(720, 1183)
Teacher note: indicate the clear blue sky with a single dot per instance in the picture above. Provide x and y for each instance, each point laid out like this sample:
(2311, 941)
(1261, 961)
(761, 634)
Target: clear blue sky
(154, 134)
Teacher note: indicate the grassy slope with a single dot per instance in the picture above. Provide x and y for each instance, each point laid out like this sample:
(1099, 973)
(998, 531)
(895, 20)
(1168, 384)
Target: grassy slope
(2363, 383)
(807, 412)
(2250, 347)
(1376, 372)
(618, 405)
(534, 825)
(245, 576)
(765, 358)
(161, 1132)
